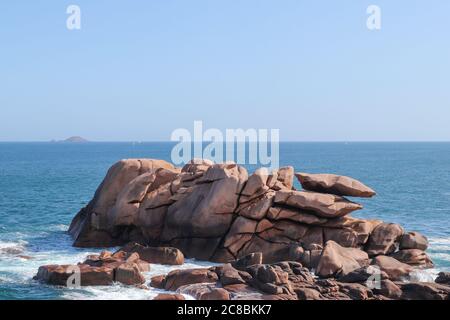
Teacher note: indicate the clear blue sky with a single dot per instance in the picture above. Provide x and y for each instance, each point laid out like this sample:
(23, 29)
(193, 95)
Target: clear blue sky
(137, 70)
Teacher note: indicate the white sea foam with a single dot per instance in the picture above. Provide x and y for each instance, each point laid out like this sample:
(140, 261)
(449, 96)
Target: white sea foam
(121, 292)
(59, 227)
(439, 241)
(7, 245)
(424, 275)
(16, 269)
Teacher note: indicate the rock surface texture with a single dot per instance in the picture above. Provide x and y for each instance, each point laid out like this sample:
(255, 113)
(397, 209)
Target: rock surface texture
(269, 234)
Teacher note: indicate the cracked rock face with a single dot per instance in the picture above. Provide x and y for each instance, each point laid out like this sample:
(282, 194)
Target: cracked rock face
(220, 212)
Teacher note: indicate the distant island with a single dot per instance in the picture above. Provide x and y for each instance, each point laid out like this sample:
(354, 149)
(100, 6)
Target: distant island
(74, 139)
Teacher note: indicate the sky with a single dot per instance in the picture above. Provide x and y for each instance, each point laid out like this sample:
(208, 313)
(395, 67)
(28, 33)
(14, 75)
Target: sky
(138, 70)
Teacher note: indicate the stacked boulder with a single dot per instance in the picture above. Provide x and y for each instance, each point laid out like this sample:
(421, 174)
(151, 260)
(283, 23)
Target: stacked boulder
(219, 212)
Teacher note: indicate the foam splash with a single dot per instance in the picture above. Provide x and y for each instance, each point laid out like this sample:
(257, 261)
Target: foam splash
(15, 269)
(18, 271)
(122, 292)
(423, 275)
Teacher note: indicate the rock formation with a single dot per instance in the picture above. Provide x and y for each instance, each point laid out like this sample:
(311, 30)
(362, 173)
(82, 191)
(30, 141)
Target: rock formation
(219, 212)
(270, 232)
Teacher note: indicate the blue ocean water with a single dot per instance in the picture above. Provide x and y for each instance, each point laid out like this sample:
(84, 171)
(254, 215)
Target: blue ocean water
(43, 185)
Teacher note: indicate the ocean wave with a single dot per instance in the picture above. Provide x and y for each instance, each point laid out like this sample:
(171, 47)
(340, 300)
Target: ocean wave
(440, 255)
(114, 292)
(14, 269)
(11, 248)
(58, 227)
(424, 275)
(439, 241)
(18, 270)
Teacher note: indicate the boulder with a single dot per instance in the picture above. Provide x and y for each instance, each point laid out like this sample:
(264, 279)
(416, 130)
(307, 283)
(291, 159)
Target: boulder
(311, 258)
(128, 274)
(395, 269)
(126, 208)
(205, 291)
(363, 274)
(258, 207)
(158, 282)
(356, 291)
(229, 275)
(216, 294)
(248, 260)
(206, 212)
(256, 183)
(322, 205)
(334, 184)
(308, 294)
(285, 175)
(424, 291)
(169, 296)
(388, 289)
(178, 278)
(294, 215)
(64, 275)
(158, 255)
(414, 240)
(384, 239)
(443, 278)
(92, 226)
(270, 279)
(413, 257)
(339, 261)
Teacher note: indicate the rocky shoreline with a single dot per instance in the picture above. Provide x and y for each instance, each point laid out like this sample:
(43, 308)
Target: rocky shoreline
(275, 242)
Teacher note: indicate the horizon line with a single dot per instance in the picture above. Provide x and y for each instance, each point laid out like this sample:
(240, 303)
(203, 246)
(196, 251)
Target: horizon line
(207, 141)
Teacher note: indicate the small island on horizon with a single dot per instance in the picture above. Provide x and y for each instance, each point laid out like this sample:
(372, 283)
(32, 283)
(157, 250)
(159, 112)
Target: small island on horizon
(73, 139)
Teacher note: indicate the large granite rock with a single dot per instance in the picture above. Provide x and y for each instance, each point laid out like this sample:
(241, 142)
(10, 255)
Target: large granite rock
(384, 239)
(395, 269)
(219, 212)
(94, 225)
(414, 240)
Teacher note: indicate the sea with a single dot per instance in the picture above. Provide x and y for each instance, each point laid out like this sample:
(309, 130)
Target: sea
(43, 185)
